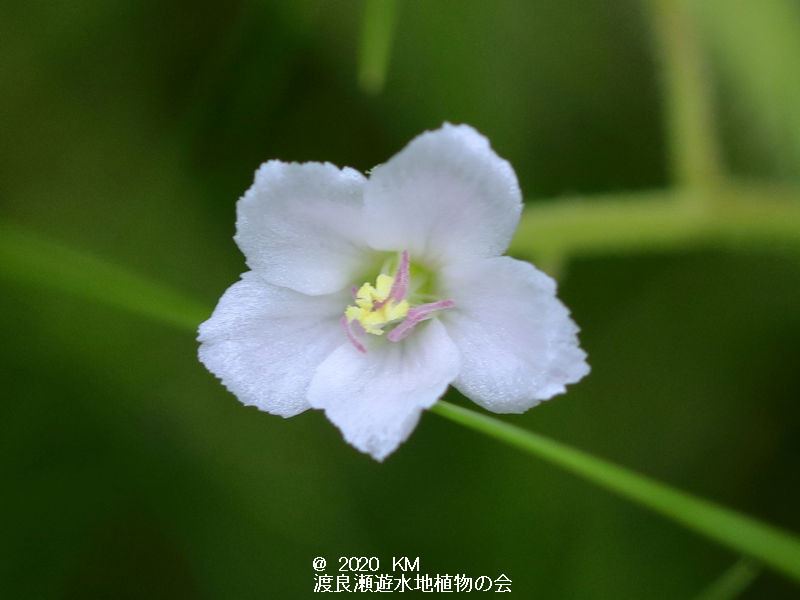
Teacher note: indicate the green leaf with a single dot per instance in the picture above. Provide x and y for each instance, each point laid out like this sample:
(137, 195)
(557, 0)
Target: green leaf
(27, 258)
(769, 545)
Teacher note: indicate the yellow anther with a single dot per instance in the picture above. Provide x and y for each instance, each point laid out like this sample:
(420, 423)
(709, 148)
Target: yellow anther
(384, 286)
(372, 309)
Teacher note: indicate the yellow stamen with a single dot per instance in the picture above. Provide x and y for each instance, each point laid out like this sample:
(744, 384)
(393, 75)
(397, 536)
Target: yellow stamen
(372, 309)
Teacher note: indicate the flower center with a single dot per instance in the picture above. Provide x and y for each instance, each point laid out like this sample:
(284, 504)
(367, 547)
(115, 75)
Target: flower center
(385, 305)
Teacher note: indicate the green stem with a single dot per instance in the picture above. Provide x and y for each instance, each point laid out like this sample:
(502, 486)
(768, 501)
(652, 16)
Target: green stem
(692, 136)
(762, 216)
(769, 545)
(27, 258)
(376, 42)
(732, 583)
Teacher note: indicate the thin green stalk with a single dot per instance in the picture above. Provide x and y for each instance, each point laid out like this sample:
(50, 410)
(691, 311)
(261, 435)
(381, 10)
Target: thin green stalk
(732, 583)
(769, 545)
(756, 49)
(744, 216)
(27, 258)
(695, 154)
(376, 42)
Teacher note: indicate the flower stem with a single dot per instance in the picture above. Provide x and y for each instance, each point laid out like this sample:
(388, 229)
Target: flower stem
(27, 258)
(692, 136)
(767, 544)
(732, 582)
(376, 42)
(739, 216)
(30, 259)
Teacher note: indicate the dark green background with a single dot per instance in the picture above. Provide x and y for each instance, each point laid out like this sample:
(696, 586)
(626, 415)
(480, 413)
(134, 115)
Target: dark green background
(129, 129)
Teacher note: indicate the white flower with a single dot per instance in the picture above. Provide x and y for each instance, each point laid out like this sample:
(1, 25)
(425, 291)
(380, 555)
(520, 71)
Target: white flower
(366, 298)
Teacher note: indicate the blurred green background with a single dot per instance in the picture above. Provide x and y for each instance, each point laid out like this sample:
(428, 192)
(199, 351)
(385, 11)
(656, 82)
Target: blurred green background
(129, 129)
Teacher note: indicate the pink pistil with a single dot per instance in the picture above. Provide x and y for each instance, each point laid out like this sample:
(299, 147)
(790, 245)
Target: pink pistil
(416, 315)
(400, 284)
(346, 325)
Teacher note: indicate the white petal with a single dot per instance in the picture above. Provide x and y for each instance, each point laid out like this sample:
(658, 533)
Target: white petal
(375, 399)
(264, 342)
(446, 196)
(518, 344)
(300, 226)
